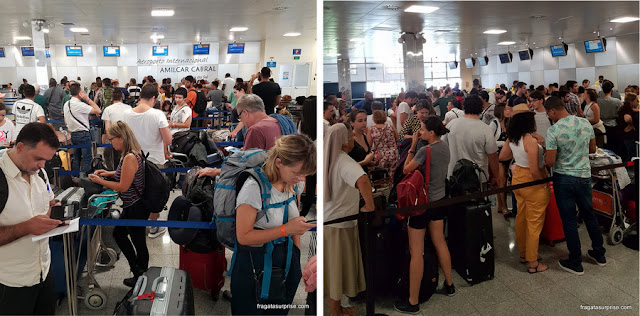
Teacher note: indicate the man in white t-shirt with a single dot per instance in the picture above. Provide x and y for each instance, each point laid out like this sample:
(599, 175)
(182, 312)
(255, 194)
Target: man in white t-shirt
(227, 85)
(542, 118)
(471, 139)
(152, 132)
(404, 109)
(181, 114)
(376, 106)
(26, 110)
(453, 111)
(7, 129)
(111, 115)
(76, 116)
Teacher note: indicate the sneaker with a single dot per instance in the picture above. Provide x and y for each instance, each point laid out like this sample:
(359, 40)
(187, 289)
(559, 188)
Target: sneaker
(449, 290)
(156, 232)
(600, 260)
(577, 270)
(406, 307)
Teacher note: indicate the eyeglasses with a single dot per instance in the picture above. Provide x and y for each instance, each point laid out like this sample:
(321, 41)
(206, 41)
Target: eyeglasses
(111, 138)
(240, 115)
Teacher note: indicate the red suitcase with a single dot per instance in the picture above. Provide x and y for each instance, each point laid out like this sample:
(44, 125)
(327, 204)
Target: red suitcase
(207, 270)
(552, 231)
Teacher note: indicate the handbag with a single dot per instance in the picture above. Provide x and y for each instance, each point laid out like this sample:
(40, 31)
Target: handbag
(414, 188)
(277, 286)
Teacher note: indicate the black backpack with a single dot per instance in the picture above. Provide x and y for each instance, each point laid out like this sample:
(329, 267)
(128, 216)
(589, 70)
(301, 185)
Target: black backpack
(4, 187)
(156, 187)
(184, 141)
(201, 103)
(465, 178)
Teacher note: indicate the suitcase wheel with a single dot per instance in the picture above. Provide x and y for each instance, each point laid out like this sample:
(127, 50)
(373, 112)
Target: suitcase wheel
(615, 236)
(111, 255)
(95, 299)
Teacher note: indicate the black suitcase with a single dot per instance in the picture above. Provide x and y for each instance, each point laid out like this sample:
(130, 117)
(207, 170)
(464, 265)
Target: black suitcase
(429, 275)
(160, 291)
(471, 241)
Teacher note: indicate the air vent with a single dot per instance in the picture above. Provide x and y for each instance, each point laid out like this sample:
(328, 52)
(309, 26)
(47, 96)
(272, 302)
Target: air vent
(85, 34)
(538, 17)
(280, 8)
(67, 23)
(392, 7)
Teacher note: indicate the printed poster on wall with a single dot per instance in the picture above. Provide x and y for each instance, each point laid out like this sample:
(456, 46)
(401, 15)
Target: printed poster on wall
(297, 51)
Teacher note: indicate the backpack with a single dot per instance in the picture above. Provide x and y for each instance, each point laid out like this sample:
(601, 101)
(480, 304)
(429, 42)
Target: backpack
(237, 168)
(201, 103)
(465, 178)
(414, 188)
(4, 187)
(156, 187)
(287, 126)
(184, 141)
(107, 97)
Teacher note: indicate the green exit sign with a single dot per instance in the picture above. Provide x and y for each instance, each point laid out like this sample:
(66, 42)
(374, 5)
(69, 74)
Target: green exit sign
(296, 57)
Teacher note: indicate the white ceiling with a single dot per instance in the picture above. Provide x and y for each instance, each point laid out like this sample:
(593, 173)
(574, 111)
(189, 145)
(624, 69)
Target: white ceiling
(131, 21)
(542, 23)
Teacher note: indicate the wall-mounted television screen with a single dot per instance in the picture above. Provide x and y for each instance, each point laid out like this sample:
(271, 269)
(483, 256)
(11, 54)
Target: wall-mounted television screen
(558, 50)
(111, 51)
(469, 62)
(2, 52)
(483, 61)
(201, 49)
(27, 51)
(525, 54)
(160, 51)
(235, 48)
(74, 51)
(594, 46)
(453, 64)
(505, 58)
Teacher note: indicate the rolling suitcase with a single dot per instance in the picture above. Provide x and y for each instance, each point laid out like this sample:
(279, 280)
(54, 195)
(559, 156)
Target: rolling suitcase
(206, 269)
(159, 291)
(429, 281)
(471, 241)
(552, 231)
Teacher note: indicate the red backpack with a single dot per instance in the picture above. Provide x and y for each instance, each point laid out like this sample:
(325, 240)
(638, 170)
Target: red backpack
(414, 188)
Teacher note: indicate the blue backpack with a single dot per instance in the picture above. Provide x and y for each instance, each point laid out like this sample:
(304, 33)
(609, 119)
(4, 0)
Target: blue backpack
(236, 169)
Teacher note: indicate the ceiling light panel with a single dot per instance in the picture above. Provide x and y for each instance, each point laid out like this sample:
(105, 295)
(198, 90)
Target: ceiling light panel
(506, 43)
(162, 12)
(292, 34)
(421, 9)
(22, 38)
(78, 29)
(495, 32)
(238, 29)
(624, 19)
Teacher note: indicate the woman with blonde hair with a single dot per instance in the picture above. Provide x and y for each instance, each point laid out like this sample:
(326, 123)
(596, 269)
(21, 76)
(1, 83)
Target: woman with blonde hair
(344, 181)
(129, 182)
(261, 230)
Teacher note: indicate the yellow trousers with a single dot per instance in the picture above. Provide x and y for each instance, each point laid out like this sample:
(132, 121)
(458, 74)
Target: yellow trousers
(532, 203)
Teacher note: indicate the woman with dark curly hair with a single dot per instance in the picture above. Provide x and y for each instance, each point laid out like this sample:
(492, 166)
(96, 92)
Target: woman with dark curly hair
(532, 201)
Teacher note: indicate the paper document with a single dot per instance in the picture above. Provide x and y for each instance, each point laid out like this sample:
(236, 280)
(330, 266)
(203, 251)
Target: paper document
(72, 227)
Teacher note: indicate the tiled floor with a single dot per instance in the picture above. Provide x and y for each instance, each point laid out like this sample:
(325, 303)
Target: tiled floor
(163, 252)
(513, 291)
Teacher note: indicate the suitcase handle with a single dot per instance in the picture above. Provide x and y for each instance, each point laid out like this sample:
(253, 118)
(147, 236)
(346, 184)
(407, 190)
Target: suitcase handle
(141, 284)
(159, 286)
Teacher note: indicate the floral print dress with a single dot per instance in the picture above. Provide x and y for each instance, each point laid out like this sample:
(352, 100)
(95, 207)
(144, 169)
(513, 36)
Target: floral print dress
(384, 144)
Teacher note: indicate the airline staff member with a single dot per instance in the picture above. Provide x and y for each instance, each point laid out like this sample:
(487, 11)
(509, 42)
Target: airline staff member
(26, 284)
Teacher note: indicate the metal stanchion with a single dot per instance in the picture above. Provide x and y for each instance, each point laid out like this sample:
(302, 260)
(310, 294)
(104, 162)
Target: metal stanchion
(370, 275)
(70, 272)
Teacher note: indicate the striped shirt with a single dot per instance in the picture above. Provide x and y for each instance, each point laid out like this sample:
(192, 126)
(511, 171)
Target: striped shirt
(130, 197)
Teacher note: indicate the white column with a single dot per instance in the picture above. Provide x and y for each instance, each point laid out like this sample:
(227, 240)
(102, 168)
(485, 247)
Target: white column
(42, 70)
(344, 79)
(413, 62)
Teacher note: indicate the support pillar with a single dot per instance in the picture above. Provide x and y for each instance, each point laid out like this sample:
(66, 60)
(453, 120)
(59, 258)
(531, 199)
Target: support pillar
(344, 79)
(413, 62)
(39, 43)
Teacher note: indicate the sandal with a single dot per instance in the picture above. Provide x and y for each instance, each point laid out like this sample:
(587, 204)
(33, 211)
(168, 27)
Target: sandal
(533, 270)
(506, 214)
(523, 260)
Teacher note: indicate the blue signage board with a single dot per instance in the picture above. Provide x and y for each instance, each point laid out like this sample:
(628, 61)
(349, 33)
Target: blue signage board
(2, 52)
(160, 51)
(558, 50)
(235, 48)
(201, 49)
(594, 46)
(297, 51)
(111, 51)
(271, 64)
(47, 52)
(27, 51)
(74, 51)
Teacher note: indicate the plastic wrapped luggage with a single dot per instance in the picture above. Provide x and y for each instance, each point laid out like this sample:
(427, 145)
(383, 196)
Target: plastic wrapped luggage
(159, 291)
(207, 270)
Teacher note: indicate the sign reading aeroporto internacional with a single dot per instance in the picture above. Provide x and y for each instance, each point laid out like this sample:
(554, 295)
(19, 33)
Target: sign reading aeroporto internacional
(172, 61)
(180, 67)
